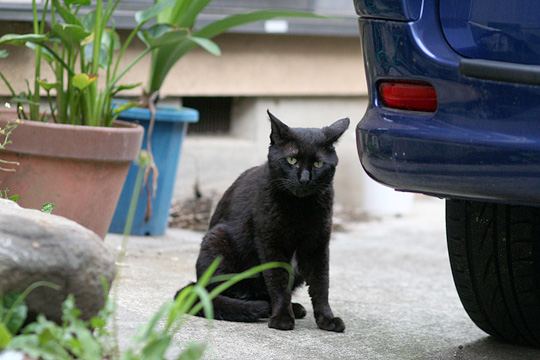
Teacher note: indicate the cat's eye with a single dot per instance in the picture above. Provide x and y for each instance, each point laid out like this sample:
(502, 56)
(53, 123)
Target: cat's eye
(291, 160)
(318, 164)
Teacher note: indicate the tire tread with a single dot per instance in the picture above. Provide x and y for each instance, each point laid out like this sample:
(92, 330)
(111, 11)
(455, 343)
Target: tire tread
(494, 258)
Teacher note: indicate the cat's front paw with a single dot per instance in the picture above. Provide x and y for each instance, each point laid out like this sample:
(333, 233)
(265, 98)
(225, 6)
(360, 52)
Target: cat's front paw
(281, 322)
(331, 324)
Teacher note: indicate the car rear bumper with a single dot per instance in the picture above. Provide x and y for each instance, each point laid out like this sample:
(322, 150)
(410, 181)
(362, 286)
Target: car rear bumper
(436, 161)
(482, 143)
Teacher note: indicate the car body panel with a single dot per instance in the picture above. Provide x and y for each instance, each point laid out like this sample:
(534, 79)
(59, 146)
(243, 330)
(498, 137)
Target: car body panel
(501, 30)
(482, 143)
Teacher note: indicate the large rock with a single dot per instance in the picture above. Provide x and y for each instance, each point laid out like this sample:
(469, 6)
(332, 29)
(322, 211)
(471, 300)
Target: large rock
(35, 246)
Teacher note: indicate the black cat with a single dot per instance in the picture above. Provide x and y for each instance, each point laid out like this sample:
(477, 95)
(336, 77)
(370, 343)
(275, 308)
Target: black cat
(279, 211)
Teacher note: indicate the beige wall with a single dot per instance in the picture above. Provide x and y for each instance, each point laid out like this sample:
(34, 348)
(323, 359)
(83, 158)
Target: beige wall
(251, 65)
(217, 161)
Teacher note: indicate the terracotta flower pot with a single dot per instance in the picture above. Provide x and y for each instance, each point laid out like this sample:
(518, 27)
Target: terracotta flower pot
(80, 169)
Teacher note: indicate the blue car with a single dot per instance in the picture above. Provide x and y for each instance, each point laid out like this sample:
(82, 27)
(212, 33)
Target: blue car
(454, 88)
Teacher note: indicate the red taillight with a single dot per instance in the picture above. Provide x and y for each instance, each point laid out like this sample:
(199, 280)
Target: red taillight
(408, 96)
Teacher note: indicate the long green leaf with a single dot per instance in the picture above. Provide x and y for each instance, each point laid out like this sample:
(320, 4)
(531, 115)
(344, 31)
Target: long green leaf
(162, 34)
(153, 11)
(44, 52)
(187, 17)
(252, 272)
(246, 275)
(163, 60)
(207, 45)
(193, 351)
(88, 20)
(8, 84)
(151, 325)
(125, 106)
(19, 313)
(192, 296)
(71, 35)
(66, 14)
(178, 306)
(209, 272)
(5, 336)
(156, 348)
(175, 13)
(206, 302)
(119, 88)
(23, 296)
(47, 86)
(16, 39)
(78, 2)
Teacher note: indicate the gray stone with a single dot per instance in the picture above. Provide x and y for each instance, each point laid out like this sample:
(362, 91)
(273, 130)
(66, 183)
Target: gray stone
(35, 246)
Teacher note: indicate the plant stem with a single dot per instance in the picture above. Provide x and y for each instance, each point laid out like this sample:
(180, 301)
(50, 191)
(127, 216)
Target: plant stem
(69, 93)
(98, 29)
(133, 63)
(124, 48)
(96, 50)
(53, 115)
(11, 90)
(34, 108)
(62, 99)
(58, 58)
(25, 293)
(122, 253)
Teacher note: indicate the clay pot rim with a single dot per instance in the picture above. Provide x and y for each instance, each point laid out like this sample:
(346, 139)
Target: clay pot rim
(118, 125)
(121, 142)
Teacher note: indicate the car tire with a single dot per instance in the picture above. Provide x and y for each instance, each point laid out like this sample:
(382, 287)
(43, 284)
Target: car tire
(495, 259)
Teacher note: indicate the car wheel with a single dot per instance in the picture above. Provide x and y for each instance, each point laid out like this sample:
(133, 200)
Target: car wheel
(495, 258)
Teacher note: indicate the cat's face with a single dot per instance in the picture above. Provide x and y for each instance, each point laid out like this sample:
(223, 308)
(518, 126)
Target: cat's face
(303, 160)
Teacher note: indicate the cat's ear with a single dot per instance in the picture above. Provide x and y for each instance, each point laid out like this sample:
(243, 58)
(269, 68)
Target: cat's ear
(280, 131)
(334, 131)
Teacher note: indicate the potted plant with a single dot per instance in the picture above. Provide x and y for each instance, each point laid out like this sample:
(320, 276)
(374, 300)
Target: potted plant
(72, 150)
(166, 126)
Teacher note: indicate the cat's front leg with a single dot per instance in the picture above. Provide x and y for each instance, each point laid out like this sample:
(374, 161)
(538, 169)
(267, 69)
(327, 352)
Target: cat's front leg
(277, 284)
(313, 266)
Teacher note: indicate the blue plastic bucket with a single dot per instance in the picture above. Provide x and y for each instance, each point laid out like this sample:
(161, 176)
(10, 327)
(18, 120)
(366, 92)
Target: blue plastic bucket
(169, 131)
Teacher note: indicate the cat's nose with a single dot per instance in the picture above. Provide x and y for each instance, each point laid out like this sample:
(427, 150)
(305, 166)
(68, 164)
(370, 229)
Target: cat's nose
(304, 177)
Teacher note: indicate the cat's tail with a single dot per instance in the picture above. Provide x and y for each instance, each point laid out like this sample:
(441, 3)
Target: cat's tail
(231, 309)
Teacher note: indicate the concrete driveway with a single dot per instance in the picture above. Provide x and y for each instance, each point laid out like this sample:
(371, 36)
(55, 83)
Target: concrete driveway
(390, 282)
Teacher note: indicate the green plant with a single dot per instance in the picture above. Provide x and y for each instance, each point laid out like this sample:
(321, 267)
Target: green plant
(47, 208)
(84, 53)
(13, 312)
(183, 15)
(4, 194)
(75, 338)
